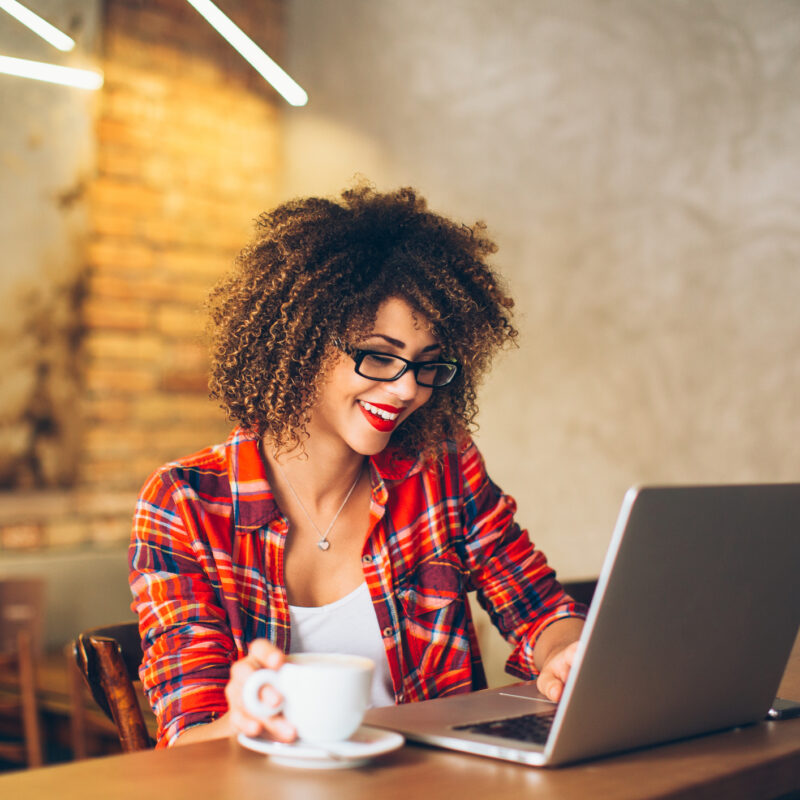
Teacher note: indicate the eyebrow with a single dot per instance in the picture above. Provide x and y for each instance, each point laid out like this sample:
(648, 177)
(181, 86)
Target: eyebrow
(400, 345)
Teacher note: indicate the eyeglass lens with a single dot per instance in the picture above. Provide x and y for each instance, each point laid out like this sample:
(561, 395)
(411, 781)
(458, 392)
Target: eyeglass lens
(381, 367)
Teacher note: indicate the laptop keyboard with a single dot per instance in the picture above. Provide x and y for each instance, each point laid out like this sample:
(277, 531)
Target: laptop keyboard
(527, 728)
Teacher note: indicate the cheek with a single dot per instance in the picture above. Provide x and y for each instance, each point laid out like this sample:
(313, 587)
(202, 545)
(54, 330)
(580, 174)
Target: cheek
(423, 395)
(343, 384)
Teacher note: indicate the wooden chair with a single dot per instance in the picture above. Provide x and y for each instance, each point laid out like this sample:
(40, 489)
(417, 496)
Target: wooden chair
(21, 623)
(109, 659)
(581, 591)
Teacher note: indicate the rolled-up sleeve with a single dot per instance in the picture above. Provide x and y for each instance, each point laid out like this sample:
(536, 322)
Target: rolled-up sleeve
(187, 644)
(514, 582)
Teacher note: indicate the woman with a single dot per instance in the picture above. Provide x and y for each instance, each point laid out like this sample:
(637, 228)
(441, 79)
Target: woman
(349, 510)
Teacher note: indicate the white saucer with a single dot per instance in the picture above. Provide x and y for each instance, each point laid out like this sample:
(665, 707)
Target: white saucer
(364, 744)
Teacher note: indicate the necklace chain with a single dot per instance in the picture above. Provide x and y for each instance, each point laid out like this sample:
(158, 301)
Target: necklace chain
(323, 542)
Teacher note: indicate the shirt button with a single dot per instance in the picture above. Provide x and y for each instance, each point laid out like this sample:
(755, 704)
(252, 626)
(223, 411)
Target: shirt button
(387, 632)
(366, 559)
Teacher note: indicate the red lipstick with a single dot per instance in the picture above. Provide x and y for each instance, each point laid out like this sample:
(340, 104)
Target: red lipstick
(378, 422)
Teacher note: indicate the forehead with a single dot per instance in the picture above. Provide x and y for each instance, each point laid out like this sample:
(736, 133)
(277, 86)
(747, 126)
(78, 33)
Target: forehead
(397, 319)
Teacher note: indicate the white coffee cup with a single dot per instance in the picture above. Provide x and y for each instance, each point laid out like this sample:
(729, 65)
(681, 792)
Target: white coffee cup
(325, 695)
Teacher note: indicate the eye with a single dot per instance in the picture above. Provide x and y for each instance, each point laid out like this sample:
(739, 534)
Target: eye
(381, 360)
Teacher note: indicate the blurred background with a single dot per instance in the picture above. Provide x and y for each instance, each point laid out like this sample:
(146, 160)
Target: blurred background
(637, 164)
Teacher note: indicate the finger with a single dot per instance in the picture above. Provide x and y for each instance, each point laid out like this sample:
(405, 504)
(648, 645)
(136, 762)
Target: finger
(271, 698)
(552, 678)
(560, 663)
(277, 727)
(240, 672)
(265, 654)
(550, 685)
(244, 723)
(560, 666)
(556, 671)
(262, 653)
(280, 728)
(267, 694)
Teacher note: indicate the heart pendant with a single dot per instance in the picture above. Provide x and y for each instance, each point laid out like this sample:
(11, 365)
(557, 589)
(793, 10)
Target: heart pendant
(323, 544)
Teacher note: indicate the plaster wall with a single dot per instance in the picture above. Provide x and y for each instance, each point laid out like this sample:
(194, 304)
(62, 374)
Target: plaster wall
(638, 165)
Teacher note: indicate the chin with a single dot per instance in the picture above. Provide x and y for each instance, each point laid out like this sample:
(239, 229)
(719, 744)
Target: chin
(371, 444)
(371, 449)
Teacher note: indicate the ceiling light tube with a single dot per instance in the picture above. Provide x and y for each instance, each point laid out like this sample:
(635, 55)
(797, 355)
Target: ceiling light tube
(289, 89)
(38, 25)
(67, 76)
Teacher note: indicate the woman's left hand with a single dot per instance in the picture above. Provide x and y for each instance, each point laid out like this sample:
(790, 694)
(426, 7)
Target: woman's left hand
(554, 653)
(555, 670)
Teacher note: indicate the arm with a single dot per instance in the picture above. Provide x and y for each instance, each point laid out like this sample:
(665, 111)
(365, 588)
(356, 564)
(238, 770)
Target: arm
(554, 653)
(189, 669)
(187, 644)
(217, 729)
(515, 584)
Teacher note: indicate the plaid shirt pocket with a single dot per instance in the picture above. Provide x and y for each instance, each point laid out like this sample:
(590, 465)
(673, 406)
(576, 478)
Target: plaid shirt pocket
(434, 607)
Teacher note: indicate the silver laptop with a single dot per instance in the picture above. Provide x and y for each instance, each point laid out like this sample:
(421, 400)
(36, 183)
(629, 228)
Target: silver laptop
(695, 613)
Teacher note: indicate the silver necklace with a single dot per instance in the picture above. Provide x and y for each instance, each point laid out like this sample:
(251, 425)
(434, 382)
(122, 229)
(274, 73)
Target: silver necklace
(323, 542)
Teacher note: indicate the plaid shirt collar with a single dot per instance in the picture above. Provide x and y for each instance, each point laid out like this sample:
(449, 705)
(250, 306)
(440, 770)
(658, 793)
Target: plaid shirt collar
(254, 505)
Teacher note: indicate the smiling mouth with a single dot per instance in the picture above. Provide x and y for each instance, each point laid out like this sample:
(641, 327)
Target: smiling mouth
(382, 418)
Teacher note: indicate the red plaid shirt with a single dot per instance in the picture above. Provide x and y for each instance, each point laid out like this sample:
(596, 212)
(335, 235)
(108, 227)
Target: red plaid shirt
(207, 561)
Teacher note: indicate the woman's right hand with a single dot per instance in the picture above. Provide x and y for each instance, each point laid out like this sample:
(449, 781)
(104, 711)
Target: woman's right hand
(262, 654)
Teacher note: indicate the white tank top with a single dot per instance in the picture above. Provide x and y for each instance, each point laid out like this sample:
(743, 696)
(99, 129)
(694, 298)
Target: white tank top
(348, 625)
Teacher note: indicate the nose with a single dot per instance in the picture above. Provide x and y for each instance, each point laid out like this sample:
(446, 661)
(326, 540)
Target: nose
(405, 388)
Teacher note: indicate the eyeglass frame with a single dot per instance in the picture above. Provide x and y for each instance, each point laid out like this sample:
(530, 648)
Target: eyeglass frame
(358, 355)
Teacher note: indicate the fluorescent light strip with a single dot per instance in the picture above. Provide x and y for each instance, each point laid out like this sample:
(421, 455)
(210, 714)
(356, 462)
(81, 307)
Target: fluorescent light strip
(68, 76)
(39, 26)
(289, 89)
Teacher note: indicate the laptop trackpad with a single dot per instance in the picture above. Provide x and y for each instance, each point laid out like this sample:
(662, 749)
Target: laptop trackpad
(487, 704)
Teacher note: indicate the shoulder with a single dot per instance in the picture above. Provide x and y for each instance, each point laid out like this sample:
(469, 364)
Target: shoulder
(203, 473)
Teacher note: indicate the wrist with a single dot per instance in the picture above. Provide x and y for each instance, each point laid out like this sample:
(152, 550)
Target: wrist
(215, 729)
(554, 638)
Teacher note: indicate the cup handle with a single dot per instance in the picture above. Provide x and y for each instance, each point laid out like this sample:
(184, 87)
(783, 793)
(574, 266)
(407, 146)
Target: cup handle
(252, 689)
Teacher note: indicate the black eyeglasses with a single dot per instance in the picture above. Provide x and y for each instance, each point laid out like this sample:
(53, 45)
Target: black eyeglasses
(385, 367)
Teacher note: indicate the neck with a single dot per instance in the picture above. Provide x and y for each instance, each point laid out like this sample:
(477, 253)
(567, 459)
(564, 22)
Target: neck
(318, 476)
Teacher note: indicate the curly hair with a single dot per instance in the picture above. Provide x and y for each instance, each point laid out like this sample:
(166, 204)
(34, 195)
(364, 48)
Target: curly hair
(316, 274)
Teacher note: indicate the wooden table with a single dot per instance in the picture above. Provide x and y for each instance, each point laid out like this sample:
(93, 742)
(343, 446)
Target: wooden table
(759, 761)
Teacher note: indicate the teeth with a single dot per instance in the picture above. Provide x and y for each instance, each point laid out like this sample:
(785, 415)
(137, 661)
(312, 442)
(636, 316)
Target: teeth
(379, 412)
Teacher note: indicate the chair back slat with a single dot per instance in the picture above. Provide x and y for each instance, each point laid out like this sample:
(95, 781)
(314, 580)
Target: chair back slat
(21, 609)
(109, 660)
(21, 629)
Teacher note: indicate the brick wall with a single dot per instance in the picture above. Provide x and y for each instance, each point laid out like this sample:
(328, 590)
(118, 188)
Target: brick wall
(188, 153)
